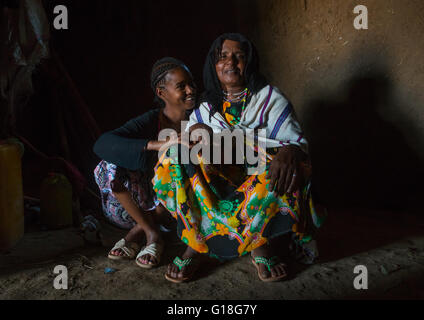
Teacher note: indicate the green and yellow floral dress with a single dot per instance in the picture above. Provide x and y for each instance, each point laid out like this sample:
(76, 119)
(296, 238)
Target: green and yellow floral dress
(225, 213)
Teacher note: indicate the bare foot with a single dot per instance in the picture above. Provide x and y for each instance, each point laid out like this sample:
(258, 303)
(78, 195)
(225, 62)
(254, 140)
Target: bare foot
(134, 235)
(151, 237)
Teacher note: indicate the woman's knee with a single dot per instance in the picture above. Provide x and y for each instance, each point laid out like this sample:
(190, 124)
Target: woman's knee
(117, 187)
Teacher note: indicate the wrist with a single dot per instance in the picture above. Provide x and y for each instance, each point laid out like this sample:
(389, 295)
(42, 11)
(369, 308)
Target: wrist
(152, 146)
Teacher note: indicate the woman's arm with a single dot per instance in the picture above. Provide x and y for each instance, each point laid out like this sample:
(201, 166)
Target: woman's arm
(127, 146)
(154, 145)
(284, 130)
(284, 171)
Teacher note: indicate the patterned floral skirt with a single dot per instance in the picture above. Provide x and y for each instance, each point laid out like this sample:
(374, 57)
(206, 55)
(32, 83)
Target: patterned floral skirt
(224, 213)
(105, 175)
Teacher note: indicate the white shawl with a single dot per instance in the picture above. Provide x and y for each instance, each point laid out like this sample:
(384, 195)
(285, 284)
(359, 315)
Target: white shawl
(268, 109)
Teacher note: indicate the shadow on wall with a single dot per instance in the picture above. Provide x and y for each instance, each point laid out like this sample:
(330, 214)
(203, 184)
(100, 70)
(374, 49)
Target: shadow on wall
(359, 159)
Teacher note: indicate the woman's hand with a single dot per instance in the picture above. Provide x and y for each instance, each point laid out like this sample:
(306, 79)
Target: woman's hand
(163, 145)
(158, 145)
(171, 141)
(284, 171)
(200, 126)
(154, 145)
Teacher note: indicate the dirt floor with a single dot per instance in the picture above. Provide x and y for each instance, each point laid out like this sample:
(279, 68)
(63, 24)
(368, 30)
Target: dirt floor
(392, 249)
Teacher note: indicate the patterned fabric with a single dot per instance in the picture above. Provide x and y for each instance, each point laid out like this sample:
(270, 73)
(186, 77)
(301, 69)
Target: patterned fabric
(222, 211)
(267, 109)
(232, 111)
(226, 214)
(105, 175)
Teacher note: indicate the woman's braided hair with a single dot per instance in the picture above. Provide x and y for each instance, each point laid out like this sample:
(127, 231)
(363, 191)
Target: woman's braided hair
(255, 81)
(159, 71)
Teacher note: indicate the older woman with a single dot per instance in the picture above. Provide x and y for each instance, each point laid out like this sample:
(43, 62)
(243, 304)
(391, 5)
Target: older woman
(221, 210)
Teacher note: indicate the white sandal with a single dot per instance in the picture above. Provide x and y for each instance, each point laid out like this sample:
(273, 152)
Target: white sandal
(130, 250)
(155, 250)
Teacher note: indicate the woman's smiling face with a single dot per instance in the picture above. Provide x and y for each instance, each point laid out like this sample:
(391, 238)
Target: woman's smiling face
(179, 89)
(231, 64)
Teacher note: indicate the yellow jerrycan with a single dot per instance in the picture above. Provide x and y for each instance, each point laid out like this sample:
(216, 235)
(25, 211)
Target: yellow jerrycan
(56, 201)
(11, 195)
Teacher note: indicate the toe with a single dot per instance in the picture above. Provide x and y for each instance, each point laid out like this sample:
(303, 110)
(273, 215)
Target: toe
(173, 272)
(264, 272)
(152, 259)
(274, 272)
(168, 271)
(181, 273)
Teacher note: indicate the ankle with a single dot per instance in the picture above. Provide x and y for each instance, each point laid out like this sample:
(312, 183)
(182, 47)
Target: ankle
(134, 235)
(152, 235)
(189, 253)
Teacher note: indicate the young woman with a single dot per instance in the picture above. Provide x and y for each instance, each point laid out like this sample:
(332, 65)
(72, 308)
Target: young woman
(129, 154)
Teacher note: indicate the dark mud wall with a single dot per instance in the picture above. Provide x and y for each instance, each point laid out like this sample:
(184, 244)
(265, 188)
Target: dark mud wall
(111, 46)
(108, 52)
(359, 94)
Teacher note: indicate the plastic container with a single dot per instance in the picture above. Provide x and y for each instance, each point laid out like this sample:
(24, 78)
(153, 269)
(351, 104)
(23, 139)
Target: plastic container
(56, 201)
(11, 195)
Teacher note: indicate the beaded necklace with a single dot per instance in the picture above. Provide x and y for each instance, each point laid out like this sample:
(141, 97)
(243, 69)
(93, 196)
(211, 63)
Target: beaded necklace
(241, 98)
(237, 96)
